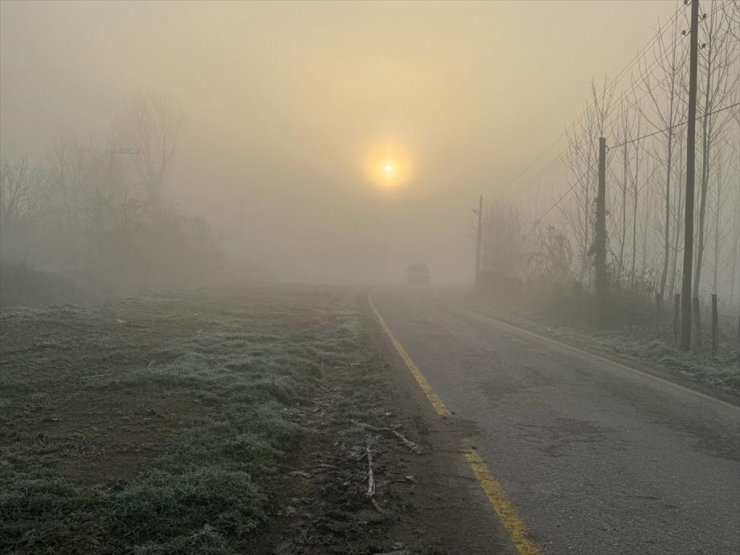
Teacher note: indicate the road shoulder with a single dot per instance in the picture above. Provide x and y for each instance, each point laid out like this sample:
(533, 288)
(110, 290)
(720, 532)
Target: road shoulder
(450, 513)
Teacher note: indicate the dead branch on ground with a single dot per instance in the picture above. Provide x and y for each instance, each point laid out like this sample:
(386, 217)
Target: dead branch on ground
(370, 476)
(413, 447)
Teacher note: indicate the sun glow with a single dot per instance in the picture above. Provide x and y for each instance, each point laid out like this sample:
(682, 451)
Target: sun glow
(388, 166)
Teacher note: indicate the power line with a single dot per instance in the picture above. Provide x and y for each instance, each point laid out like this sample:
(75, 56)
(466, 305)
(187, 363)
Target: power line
(656, 37)
(644, 73)
(588, 108)
(536, 176)
(650, 70)
(730, 107)
(529, 166)
(572, 187)
(37, 108)
(565, 194)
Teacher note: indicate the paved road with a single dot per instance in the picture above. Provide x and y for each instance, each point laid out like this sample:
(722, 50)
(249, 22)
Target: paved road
(597, 459)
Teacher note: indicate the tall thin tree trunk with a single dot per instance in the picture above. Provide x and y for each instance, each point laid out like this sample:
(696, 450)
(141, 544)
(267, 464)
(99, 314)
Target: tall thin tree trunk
(678, 227)
(587, 215)
(717, 215)
(635, 191)
(705, 147)
(646, 223)
(586, 229)
(735, 254)
(669, 156)
(667, 227)
(733, 264)
(623, 240)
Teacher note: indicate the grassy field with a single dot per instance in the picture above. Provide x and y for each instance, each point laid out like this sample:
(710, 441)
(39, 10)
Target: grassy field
(196, 423)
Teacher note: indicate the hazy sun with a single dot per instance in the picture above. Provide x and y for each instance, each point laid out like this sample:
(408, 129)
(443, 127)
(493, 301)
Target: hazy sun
(388, 166)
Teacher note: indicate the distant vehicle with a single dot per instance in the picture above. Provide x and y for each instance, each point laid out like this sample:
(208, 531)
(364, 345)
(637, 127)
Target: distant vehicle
(417, 273)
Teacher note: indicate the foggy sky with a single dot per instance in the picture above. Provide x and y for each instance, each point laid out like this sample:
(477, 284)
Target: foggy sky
(284, 102)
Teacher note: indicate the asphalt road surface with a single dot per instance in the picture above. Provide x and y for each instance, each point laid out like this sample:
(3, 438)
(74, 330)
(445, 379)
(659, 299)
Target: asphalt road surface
(595, 457)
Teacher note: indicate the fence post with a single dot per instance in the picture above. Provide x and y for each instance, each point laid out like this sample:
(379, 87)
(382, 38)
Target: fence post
(715, 326)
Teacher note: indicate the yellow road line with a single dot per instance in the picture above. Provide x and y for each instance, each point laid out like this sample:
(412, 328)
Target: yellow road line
(494, 491)
(425, 386)
(501, 504)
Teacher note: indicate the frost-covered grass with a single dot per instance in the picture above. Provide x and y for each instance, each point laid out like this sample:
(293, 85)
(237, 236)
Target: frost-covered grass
(162, 510)
(157, 421)
(638, 342)
(721, 370)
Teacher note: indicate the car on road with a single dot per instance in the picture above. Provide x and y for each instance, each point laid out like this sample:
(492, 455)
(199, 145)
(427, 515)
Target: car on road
(417, 273)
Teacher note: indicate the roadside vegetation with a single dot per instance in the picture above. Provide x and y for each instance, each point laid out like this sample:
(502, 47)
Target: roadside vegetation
(97, 219)
(539, 259)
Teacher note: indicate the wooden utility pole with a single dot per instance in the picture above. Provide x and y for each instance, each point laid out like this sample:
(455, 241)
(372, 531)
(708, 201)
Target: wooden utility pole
(688, 247)
(600, 233)
(478, 240)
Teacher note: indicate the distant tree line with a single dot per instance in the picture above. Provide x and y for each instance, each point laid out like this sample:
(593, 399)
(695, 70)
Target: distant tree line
(97, 212)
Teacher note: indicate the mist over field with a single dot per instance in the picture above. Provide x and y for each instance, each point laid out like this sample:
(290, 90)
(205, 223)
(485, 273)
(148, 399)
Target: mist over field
(370, 278)
(281, 110)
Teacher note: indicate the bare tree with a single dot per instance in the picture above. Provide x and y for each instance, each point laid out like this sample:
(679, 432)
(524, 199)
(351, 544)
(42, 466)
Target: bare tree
(718, 87)
(645, 198)
(677, 213)
(634, 179)
(731, 9)
(663, 92)
(22, 200)
(581, 159)
(147, 131)
(549, 263)
(503, 242)
(627, 123)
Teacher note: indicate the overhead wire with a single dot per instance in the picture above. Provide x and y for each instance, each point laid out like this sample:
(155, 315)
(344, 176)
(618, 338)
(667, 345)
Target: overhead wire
(641, 137)
(572, 187)
(500, 193)
(648, 71)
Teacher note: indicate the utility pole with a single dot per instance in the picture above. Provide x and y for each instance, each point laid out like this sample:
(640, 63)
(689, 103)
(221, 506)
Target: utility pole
(600, 233)
(478, 240)
(688, 247)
